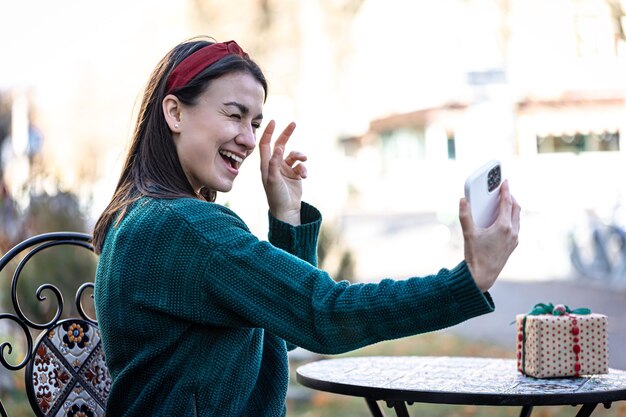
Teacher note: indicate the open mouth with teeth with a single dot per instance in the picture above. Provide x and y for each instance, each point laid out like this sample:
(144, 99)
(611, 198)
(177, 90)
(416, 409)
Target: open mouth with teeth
(233, 160)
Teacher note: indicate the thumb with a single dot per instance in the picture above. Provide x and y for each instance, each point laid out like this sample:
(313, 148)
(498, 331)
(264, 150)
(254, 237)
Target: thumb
(465, 215)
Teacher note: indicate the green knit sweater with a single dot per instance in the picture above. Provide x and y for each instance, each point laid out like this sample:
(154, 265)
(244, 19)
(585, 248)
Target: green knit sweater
(195, 311)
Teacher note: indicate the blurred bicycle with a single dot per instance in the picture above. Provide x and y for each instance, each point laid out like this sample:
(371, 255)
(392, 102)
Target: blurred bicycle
(598, 251)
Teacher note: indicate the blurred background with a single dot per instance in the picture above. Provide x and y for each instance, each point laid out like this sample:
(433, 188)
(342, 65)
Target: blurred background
(396, 102)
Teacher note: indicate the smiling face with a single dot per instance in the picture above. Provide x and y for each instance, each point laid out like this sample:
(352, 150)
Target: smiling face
(214, 136)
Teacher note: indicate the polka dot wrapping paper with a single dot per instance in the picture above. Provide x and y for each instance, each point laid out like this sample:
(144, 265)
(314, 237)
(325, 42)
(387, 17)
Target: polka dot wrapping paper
(551, 346)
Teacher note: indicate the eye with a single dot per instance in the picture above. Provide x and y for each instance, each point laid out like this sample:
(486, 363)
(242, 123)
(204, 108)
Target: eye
(236, 116)
(256, 125)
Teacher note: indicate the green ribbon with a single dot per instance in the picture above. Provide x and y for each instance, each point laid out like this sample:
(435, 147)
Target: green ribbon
(542, 308)
(562, 309)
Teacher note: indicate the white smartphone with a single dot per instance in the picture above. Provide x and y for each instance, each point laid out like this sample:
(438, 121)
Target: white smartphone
(482, 191)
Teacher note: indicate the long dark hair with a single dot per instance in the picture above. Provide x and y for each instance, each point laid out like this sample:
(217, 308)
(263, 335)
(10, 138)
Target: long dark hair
(152, 167)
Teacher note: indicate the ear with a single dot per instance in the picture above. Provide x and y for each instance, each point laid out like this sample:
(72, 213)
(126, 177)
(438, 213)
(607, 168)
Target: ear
(172, 112)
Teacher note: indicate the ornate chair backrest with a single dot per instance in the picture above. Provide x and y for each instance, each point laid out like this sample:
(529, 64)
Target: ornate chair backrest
(64, 367)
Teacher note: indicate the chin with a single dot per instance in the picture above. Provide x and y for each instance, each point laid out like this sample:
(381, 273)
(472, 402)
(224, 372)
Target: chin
(224, 188)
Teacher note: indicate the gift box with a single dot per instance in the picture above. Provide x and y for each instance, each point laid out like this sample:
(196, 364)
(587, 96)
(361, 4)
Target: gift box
(554, 341)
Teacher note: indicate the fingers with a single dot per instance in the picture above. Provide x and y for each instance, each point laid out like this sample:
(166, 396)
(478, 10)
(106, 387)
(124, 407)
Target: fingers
(300, 170)
(285, 135)
(515, 220)
(294, 157)
(517, 209)
(508, 209)
(272, 158)
(292, 166)
(465, 215)
(266, 139)
(265, 149)
(506, 201)
(279, 145)
(264, 146)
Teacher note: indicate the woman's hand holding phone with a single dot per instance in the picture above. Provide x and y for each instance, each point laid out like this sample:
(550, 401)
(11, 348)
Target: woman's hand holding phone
(487, 249)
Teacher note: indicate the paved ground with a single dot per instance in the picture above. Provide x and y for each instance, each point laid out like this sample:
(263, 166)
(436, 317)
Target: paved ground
(513, 298)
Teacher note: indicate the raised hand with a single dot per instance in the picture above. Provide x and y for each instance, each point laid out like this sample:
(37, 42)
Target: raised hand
(282, 177)
(487, 250)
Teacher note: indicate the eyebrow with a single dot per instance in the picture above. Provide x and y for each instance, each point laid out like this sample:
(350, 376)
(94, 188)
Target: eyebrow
(243, 109)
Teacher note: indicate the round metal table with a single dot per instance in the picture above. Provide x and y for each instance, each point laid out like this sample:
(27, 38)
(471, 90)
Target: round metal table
(402, 380)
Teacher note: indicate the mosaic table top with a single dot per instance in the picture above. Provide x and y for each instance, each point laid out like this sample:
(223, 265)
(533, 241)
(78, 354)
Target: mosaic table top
(456, 380)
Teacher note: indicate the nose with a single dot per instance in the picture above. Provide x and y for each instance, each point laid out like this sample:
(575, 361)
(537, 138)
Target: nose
(247, 137)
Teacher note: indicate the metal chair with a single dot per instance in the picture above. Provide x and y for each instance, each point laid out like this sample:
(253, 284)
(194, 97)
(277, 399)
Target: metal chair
(64, 367)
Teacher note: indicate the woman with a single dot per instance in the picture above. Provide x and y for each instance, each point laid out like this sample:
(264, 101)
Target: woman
(196, 313)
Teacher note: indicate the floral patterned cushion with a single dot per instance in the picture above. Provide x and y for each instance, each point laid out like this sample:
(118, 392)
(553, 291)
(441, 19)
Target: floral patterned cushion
(68, 375)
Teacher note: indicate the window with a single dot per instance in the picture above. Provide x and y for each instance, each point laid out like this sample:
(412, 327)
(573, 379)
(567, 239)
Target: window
(579, 142)
(401, 147)
(451, 146)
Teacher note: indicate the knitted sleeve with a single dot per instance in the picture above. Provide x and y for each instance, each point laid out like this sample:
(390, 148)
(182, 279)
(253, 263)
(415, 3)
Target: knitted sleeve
(236, 280)
(301, 240)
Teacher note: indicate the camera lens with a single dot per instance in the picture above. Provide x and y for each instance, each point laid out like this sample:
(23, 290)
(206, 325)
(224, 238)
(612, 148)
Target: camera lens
(493, 178)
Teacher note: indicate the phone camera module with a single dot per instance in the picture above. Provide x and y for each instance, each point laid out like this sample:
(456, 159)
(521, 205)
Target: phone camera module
(493, 178)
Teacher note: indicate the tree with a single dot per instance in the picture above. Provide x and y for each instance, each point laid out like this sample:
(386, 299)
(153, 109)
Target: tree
(65, 267)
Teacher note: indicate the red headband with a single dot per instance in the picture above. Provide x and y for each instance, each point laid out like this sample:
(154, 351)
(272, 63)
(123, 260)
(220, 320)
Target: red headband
(199, 60)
